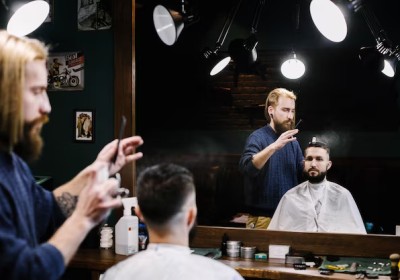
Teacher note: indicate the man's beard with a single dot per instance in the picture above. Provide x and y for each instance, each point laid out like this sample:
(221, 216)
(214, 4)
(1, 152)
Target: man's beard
(30, 147)
(283, 126)
(315, 179)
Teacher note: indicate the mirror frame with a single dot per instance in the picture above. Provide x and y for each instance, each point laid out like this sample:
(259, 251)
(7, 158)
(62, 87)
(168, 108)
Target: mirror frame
(320, 244)
(124, 104)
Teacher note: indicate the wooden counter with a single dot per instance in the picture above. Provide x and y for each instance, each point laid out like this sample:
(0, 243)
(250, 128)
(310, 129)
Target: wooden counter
(99, 260)
(320, 244)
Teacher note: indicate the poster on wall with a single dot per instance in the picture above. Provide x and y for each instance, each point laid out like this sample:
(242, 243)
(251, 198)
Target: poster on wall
(84, 125)
(94, 14)
(65, 71)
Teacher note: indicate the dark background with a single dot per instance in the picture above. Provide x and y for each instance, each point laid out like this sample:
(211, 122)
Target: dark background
(336, 92)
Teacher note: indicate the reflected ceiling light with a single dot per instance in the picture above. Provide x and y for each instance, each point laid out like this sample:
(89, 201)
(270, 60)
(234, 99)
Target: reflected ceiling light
(329, 19)
(214, 60)
(243, 52)
(376, 61)
(28, 17)
(293, 68)
(389, 68)
(170, 23)
(385, 55)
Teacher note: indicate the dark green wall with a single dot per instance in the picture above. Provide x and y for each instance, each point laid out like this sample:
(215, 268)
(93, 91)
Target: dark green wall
(62, 157)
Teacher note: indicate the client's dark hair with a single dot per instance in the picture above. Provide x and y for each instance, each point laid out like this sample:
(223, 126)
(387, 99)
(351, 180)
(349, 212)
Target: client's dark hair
(318, 144)
(162, 190)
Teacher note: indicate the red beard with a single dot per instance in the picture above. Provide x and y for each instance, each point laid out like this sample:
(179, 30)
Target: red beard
(31, 145)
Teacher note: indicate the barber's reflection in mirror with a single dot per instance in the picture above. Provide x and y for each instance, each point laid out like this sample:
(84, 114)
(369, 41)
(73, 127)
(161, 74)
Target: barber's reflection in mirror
(317, 205)
(272, 160)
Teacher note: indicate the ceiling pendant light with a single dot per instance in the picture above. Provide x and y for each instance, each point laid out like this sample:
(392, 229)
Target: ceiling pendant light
(243, 51)
(293, 68)
(389, 68)
(28, 17)
(385, 55)
(169, 23)
(214, 61)
(329, 19)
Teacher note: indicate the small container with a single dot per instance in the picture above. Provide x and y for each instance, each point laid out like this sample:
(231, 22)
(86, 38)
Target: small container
(247, 252)
(106, 237)
(233, 248)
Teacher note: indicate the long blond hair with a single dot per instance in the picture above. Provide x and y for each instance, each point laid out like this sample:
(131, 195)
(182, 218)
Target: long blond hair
(15, 53)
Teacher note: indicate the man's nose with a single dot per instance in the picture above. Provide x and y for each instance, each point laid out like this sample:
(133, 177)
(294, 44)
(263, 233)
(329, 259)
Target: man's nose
(45, 106)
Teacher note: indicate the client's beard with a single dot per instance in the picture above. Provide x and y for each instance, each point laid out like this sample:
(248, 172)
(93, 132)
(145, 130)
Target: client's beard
(315, 179)
(30, 147)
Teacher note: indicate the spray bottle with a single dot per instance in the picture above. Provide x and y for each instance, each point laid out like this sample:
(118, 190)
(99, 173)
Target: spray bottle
(127, 229)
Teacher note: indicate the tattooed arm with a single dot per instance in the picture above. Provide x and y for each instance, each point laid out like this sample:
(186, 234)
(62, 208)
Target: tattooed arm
(86, 200)
(67, 203)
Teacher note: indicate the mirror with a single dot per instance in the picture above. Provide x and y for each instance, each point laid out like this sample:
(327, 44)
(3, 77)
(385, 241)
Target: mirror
(203, 122)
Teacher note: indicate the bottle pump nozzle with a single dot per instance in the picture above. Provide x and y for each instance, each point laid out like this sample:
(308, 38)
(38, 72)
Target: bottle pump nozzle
(128, 203)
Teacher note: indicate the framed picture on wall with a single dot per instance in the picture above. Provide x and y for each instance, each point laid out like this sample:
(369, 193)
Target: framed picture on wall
(84, 129)
(66, 71)
(94, 14)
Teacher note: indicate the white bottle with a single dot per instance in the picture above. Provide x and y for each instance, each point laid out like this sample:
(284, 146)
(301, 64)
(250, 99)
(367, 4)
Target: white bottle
(127, 229)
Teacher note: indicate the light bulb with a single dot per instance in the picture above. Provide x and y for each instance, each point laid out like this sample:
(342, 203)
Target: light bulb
(293, 68)
(388, 69)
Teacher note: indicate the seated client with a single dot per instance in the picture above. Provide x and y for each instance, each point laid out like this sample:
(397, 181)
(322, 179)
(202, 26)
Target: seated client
(167, 204)
(317, 204)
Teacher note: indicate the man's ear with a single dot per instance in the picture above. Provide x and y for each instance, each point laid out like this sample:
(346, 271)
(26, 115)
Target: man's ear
(270, 110)
(191, 216)
(329, 165)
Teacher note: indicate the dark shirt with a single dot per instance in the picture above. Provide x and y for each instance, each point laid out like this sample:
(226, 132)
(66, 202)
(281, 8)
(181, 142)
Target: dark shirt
(264, 188)
(29, 215)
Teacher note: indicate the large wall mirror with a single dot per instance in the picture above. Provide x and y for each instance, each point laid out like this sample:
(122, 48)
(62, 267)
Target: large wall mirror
(201, 121)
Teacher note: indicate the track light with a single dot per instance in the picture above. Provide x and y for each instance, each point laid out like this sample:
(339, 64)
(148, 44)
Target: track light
(27, 17)
(385, 55)
(389, 68)
(243, 52)
(293, 68)
(376, 61)
(214, 61)
(328, 19)
(169, 23)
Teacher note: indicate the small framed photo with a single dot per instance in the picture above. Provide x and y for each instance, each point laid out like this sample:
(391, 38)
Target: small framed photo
(84, 129)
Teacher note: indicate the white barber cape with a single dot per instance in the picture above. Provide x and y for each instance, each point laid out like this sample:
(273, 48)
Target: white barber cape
(322, 207)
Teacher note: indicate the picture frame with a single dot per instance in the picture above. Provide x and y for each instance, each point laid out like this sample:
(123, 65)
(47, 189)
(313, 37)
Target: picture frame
(94, 15)
(66, 71)
(84, 126)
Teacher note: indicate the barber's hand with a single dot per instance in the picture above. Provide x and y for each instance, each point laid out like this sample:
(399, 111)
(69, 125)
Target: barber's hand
(97, 198)
(284, 138)
(126, 153)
